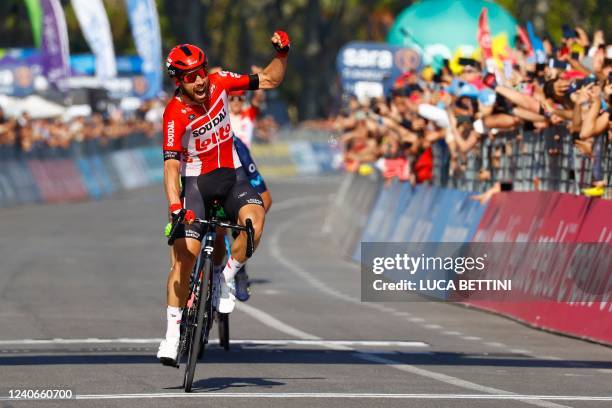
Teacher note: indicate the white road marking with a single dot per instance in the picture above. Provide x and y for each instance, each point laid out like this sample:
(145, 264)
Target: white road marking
(275, 250)
(295, 395)
(291, 342)
(495, 344)
(519, 351)
(324, 343)
(90, 340)
(453, 333)
(448, 379)
(433, 326)
(416, 319)
(274, 323)
(473, 338)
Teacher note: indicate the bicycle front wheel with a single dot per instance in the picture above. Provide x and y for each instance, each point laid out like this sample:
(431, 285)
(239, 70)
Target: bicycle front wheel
(196, 343)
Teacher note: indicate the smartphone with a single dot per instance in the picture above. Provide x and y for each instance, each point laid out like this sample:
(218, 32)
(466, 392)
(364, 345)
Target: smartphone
(555, 63)
(589, 80)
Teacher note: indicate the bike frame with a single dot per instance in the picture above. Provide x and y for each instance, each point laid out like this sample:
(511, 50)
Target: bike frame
(196, 328)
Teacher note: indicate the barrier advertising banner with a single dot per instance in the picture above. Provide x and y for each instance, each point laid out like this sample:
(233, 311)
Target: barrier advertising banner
(58, 180)
(573, 283)
(22, 181)
(554, 248)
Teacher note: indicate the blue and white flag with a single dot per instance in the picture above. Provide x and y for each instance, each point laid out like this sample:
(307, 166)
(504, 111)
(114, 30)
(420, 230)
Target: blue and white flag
(537, 44)
(145, 30)
(96, 29)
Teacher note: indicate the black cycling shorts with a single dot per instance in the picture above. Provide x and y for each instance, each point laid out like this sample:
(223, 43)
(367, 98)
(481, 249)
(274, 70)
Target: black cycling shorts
(233, 192)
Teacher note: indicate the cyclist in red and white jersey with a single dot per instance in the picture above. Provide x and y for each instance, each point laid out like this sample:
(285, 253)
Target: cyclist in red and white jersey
(199, 151)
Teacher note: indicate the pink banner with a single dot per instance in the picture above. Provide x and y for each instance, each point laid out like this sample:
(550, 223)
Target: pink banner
(575, 303)
(58, 180)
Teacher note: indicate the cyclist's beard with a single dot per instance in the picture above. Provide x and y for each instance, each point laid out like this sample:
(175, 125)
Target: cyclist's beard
(197, 94)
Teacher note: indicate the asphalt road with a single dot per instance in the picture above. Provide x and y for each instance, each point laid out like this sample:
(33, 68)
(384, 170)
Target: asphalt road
(86, 281)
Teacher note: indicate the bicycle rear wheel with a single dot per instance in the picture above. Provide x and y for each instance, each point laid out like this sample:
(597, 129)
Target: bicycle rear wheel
(196, 342)
(223, 325)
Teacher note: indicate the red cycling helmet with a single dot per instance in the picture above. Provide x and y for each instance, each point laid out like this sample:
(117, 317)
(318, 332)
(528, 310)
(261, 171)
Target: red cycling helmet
(184, 57)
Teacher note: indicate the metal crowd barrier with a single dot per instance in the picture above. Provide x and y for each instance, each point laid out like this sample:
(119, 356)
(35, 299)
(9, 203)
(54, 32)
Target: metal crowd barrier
(532, 160)
(350, 210)
(77, 149)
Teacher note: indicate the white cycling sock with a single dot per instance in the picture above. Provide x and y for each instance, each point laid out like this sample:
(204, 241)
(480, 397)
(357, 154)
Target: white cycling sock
(173, 315)
(231, 268)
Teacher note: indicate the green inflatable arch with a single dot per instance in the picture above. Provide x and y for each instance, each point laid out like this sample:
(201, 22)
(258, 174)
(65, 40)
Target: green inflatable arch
(432, 25)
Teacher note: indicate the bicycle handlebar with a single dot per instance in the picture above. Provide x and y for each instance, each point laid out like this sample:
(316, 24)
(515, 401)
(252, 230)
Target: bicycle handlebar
(248, 228)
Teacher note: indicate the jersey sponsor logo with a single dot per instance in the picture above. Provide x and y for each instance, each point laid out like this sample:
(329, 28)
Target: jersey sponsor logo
(252, 168)
(192, 116)
(222, 134)
(170, 133)
(170, 154)
(192, 234)
(216, 131)
(254, 201)
(207, 127)
(226, 73)
(256, 181)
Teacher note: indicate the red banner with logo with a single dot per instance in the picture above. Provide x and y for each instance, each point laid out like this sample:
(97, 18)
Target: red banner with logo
(58, 180)
(579, 304)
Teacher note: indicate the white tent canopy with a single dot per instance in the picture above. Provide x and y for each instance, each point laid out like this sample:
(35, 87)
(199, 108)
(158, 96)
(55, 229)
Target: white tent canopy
(36, 106)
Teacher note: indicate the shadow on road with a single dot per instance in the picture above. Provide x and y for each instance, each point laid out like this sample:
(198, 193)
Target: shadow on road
(259, 281)
(222, 383)
(240, 355)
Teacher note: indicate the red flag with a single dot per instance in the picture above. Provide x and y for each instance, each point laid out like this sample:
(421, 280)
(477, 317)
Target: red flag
(484, 34)
(524, 39)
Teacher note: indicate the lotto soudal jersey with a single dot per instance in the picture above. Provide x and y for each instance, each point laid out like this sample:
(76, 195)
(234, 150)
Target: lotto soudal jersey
(201, 135)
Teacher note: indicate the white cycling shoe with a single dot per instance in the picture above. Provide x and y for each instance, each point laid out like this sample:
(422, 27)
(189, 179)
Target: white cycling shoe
(225, 301)
(168, 351)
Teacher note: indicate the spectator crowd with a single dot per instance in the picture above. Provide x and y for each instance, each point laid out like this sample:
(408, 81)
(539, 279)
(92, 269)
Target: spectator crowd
(446, 121)
(23, 136)
(115, 128)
